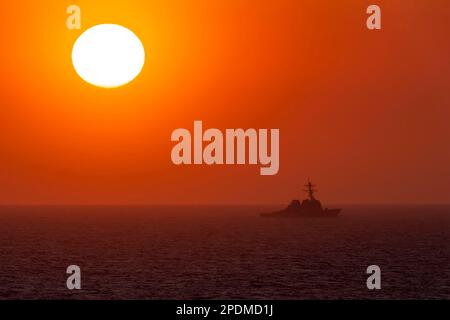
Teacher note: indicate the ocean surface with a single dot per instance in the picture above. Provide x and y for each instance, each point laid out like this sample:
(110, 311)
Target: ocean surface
(226, 252)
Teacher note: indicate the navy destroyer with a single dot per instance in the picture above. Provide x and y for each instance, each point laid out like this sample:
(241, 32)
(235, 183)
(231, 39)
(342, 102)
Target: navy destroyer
(308, 208)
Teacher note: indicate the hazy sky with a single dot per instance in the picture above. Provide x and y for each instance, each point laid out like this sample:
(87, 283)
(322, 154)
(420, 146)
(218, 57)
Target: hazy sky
(364, 114)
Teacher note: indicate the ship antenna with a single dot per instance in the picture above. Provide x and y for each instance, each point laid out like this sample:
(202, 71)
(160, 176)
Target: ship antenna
(310, 189)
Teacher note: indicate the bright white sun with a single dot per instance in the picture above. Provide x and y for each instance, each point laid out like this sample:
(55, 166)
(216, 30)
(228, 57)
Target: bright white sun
(108, 56)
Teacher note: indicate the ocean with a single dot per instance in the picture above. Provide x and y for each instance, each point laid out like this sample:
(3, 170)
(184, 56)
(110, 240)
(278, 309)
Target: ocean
(223, 252)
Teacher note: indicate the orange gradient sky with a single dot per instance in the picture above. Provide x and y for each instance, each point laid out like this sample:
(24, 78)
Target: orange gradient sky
(365, 114)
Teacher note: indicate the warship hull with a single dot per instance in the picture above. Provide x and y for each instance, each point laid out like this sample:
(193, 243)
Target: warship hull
(330, 213)
(308, 208)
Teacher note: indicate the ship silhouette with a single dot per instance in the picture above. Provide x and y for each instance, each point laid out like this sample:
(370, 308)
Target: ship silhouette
(308, 208)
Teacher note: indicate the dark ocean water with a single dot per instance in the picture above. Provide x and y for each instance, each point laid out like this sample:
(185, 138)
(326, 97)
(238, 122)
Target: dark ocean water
(223, 253)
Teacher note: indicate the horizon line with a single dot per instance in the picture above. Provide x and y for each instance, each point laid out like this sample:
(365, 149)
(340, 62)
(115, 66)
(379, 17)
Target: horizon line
(211, 204)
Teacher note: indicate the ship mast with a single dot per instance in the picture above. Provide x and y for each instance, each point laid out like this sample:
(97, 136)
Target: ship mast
(310, 189)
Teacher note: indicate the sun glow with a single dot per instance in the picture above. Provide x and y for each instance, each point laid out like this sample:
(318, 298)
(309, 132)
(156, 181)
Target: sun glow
(108, 56)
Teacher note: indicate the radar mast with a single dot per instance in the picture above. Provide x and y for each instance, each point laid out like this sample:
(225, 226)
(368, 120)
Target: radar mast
(310, 189)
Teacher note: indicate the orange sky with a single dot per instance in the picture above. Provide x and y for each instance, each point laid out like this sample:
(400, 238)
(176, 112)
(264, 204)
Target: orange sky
(364, 113)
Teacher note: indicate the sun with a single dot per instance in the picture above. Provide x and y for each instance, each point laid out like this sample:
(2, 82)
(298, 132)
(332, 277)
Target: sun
(108, 56)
